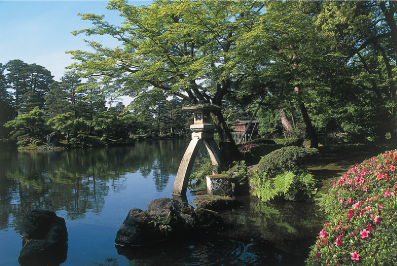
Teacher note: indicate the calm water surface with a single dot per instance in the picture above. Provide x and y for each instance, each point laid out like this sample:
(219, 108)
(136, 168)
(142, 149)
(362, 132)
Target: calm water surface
(93, 189)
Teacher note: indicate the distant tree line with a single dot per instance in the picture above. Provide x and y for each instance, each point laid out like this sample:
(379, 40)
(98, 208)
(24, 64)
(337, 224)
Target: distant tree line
(34, 106)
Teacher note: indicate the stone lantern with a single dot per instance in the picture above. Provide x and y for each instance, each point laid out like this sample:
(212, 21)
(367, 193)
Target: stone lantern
(203, 132)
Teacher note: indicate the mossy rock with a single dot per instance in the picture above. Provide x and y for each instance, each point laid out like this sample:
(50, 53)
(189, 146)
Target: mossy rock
(208, 219)
(215, 203)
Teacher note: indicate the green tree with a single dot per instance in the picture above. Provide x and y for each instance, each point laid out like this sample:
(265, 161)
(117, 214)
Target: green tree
(67, 124)
(93, 100)
(57, 100)
(30, 83)
(113, 125)
(284, 49)
(7, 109)
(30, 125)
(16, 78)
(69, 83)
(365, 33)
(186, 49)
(118, 108)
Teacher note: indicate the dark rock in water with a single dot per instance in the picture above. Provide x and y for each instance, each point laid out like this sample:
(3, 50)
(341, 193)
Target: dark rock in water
(165, 218)
(44, 238)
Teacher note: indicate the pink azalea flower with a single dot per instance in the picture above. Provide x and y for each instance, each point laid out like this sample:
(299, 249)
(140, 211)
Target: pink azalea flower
(356, 205)
(368, 209)
(377, 220)
(364, 233)
(318, 255)
(337, 241)
(379, 176)
(323, 233)
(365, 188)
(355, 256)
(369, 227)
(386, 194)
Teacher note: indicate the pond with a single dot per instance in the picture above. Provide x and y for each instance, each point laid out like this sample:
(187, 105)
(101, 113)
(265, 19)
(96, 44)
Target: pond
(93, 190)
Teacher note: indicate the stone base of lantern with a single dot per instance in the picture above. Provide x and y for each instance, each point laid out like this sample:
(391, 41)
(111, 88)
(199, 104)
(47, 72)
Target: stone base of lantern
(220, 185)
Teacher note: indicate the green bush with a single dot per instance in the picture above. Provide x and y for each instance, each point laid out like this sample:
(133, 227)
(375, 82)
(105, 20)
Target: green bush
(289, 142)
(238, 171)
(253, 152)
(261, 140)
(361, 210)
(24, 142)
(288, 186)
(290, 158)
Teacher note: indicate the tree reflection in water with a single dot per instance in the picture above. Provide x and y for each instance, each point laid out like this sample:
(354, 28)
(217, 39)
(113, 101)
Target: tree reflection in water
(77, 181)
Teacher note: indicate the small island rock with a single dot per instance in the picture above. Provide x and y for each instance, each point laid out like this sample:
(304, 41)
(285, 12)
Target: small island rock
(165, 218)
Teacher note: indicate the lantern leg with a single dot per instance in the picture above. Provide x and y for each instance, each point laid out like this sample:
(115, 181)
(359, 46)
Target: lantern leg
(213, 151)
(185, 168)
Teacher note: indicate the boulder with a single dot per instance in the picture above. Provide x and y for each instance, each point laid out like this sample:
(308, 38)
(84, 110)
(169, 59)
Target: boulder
(165, 218)
(216, 203)
(44, 238)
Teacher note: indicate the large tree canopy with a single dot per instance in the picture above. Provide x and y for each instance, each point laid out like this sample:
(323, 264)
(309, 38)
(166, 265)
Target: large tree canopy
(185, 49)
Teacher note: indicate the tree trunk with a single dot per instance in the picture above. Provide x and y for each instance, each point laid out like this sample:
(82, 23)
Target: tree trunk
(309, 127)
(227, 145)
(284, 120)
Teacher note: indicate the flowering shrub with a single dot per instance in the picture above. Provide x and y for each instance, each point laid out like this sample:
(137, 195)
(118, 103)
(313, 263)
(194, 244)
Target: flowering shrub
(361, 212)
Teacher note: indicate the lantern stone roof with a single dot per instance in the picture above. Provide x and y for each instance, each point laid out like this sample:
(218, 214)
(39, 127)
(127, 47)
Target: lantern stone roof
(201, 106)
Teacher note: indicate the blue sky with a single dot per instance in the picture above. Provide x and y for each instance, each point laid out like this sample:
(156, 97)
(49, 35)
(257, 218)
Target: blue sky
(40, 31)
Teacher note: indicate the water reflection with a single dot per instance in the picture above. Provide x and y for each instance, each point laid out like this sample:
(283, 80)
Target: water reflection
(290, 226)
(77, 181)
(93, 190)
(258, 233)
(212, 250)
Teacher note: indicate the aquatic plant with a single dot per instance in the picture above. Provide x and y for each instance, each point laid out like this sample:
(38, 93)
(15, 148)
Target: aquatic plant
(361, 216)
